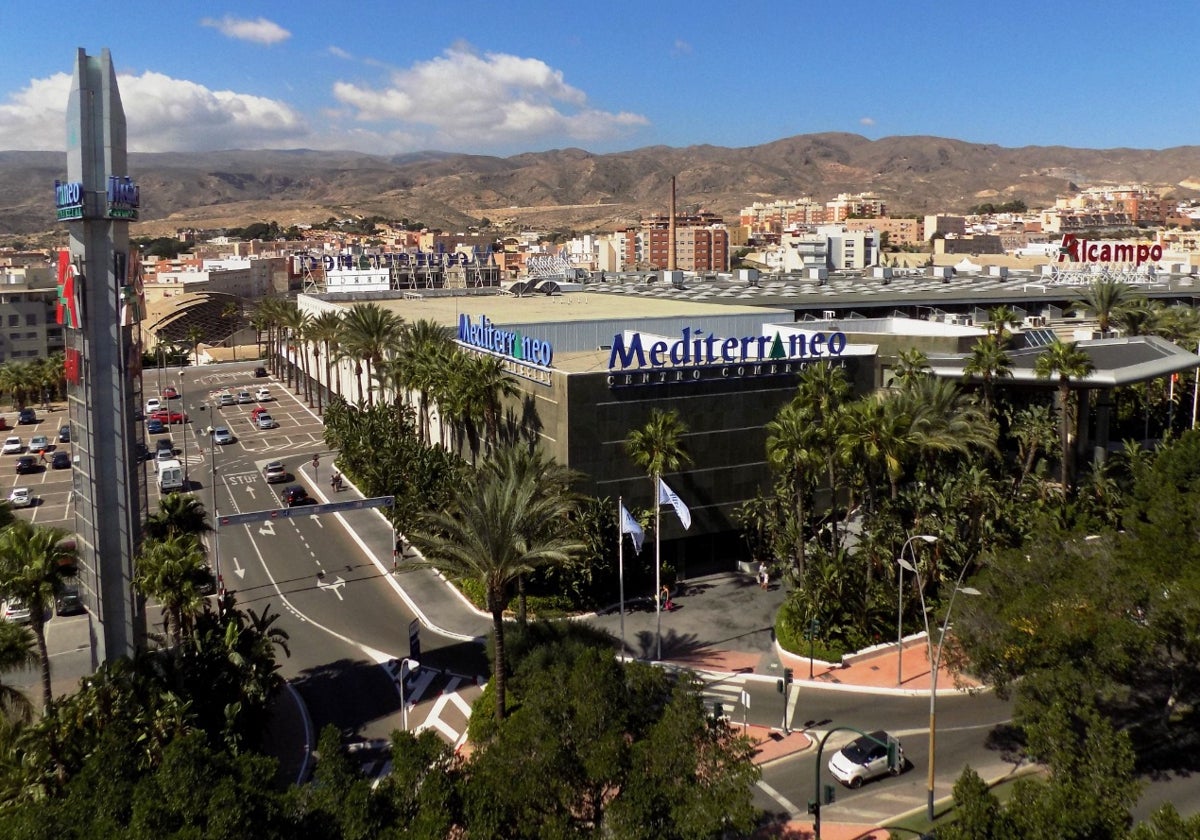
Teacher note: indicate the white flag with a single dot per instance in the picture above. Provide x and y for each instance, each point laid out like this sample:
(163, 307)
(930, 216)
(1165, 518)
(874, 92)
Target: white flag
(666, 494)
(630, 526)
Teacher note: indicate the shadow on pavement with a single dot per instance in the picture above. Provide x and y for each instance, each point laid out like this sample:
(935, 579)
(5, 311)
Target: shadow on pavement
(350, 694)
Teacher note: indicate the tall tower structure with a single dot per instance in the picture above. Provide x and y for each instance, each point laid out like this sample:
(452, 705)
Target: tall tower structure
(671, 262)
(99, 306)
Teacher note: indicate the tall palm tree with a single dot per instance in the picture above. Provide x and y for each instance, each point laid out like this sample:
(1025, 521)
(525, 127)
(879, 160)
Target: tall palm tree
(35, 562)
(822, 389)
(325, 329)
(424, 353)
(792, 449)
(910, 364)
(498, 527)
(1000, 318)
(17, 650)
(178, 513)
(170, 570)
(1107, 298)
(493, 384)
(194, 336)
(370, 333)
(1066, 362)
(232, 312)
(988, 361)
(296, 323)
(1033, 429)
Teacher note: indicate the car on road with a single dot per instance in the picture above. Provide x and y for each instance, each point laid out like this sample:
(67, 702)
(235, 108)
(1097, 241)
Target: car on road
(276, 473)
(244, 397)
(260, 372)
(60, 460)
(165, 416)
(164, 445)
(170, 393)
(263, 395)
(226, 400)
(294, 495)
(866, 758)
(64, 434)
(39, 443)
(26, 464)
(13, 446)
(155, 426)
(69, 601)
(20, 497)
(265, 421)
(27, 416)
(152, 405)
(16, 612)
(222, 435)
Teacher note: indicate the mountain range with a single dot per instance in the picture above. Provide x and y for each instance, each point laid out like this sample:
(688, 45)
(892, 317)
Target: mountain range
(581, 191)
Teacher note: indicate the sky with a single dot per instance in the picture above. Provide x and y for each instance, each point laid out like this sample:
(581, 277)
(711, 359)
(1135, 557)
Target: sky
(502, 78)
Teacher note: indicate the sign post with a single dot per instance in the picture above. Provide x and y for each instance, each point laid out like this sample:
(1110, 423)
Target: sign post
(414, 639)
(316, 462)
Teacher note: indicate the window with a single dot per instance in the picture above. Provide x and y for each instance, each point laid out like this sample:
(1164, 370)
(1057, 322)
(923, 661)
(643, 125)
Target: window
(31, 319)
(14, 320)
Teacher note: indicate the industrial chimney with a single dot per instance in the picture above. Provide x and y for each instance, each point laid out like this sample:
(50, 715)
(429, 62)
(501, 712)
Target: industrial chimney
(671, 231)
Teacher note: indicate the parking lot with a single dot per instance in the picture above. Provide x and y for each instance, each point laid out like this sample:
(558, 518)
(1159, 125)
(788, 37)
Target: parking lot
(51, 488)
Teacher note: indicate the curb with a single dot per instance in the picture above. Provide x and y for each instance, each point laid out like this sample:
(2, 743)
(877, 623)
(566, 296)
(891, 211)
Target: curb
(302, 776)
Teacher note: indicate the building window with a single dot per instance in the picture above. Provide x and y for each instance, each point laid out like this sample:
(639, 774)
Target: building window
(14, 320)
(31, 319)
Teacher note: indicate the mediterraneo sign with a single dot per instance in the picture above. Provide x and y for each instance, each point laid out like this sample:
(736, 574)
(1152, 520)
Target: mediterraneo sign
(487, 336)
(694, 356)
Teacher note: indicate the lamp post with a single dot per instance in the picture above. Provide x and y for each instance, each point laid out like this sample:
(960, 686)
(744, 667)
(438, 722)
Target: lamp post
(216, 532)
(187, 482)
(935, 660)
(929, 538)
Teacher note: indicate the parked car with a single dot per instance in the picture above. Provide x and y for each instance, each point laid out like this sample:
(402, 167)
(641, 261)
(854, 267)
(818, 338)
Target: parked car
(222, 436)
(27, 416)
(244, 397)
(68, 602)
(265, 421)
(276, 473)
(20, 497)
(60, 460)
(13, 446)
(294, 495)
(226, 400)
(260, 372)
(170, 393)
(16, 612)
(152, 405)
(154, 426)
(39, 443)
(166, 416)
(263, 394)
(64, 434)
(26, 464)
(866, 758)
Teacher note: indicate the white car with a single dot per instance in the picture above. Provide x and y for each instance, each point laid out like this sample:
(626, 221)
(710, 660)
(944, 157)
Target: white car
(265, 421)
(263, 395)
(866, 758)
(20, 497)
(152, 405)
(227, 400)
(39, 443)
(244, 397)
(16, 612)
(13, 446)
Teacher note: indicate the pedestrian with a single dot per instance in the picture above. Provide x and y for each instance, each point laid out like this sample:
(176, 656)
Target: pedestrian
(43, 459)
(764, 576)
(664, 597)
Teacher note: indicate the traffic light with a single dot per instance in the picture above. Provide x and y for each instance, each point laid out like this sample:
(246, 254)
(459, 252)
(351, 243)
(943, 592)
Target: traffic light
(718, 711)
(814, 807)
(829, 796)
(787, 676)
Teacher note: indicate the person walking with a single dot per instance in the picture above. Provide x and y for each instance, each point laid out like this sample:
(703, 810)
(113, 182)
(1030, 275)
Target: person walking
(764, 576)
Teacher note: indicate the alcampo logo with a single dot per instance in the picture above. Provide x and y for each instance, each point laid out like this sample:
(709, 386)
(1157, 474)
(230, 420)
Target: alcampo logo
(1085, 251)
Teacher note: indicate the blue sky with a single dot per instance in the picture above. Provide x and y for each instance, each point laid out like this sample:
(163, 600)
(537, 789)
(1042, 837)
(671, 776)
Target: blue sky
(508, 77)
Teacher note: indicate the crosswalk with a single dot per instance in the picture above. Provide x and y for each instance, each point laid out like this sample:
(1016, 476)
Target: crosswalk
(438, 700)
(726, 693)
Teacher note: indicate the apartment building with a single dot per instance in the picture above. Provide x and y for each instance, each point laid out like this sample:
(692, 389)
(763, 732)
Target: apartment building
(943, 224)
(861, 204)
(701, 243)
(777, 216)
(29, 326)
(900, 232)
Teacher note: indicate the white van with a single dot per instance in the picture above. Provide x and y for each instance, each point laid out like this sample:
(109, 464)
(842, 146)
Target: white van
(170, 476)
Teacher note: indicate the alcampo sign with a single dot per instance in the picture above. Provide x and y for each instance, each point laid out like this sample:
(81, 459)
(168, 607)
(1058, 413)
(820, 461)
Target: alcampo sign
(1086, 251)
(487, 336)
(693, 348)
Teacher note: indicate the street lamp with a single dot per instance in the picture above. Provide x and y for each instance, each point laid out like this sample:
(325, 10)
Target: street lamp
(900, 567)
(935, 659)
(216, 532)
(187, 482)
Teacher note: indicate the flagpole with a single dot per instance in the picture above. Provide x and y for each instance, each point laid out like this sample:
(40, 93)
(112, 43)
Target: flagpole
(657, 572)
(1195, 393)
(621, 567)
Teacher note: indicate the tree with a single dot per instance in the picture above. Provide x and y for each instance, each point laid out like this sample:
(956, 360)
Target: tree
(978, 814)
(369, 333)
(170, 571)
(1066, 362)
(325, 330)
(178, 513)
(17, 650)
(35, 562)
(910, 365)
(988, 361)
(498, 527)
(1000, 318)
(792, 449)
(1107, 299)
(822, 389)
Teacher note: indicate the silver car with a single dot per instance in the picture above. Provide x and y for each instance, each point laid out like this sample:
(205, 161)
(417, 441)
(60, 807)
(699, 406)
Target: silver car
(866, 758)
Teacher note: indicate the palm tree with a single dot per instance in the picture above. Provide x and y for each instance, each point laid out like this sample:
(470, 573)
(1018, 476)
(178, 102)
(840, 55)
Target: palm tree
(232, 312)
(1107, 298)
(822, 389)
(792, 449)
(170, 570)
(498, 527)
(1000, 318)
(424, 352)
(324, 330)
(493, 384)
(1140, 317)
(910, 364)
(989, 361)
(194, 336)
(370, 333)
(17, 650)
(35, 562)
(178, 513)
(1033, 429)
(1065, 361)
(296, 323)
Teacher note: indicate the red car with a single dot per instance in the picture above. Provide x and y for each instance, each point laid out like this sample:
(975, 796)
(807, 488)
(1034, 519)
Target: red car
(170, 393)
(165, 416)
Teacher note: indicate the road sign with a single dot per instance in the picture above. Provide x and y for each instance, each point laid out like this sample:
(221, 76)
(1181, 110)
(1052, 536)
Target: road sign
(304, 510)
(745, 699)
(414, 639)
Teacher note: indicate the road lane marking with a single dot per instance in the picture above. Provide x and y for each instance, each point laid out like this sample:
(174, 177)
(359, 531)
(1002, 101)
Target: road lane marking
(794, 812)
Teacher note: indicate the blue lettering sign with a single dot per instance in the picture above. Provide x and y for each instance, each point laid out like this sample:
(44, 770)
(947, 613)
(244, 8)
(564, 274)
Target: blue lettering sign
(484, 334)
(694, 348)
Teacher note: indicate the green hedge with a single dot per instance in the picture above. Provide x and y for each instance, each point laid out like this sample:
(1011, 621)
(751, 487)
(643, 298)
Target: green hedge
(791, 624)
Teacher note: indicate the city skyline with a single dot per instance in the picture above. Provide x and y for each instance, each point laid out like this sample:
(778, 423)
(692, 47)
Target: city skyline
(465, 77)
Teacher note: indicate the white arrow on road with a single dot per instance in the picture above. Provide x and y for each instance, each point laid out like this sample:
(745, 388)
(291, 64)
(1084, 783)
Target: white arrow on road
(237, 569)
(267, 529)
(250, 490)
(336, 586)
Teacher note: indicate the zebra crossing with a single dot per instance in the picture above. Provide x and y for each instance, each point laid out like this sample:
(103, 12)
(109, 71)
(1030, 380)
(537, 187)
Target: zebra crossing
(437, 700)
(726, 694)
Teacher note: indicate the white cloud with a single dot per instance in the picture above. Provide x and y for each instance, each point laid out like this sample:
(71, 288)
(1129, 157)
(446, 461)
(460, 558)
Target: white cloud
(681, 47)
(161, 114)
(260, 31)
(465, 100)
(867, 121)
(338, 52)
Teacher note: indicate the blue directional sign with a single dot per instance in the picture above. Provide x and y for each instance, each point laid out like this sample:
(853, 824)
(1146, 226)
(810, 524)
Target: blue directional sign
(303, 510)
